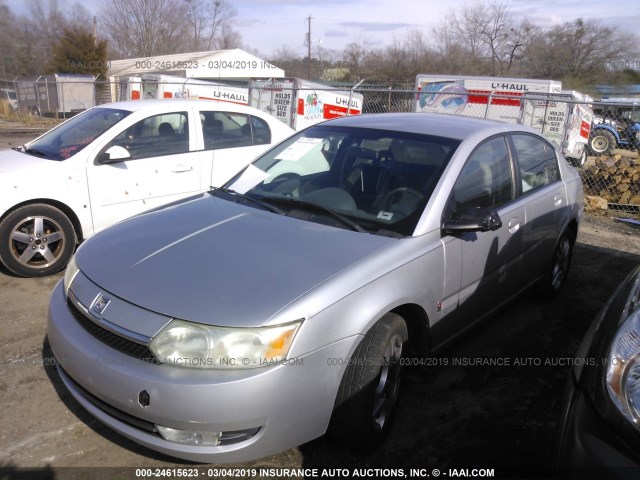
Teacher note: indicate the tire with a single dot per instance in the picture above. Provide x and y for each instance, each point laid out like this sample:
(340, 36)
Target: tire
(583, 158)
(602, 142)
(556, 273)
(36, 240)
(367, 398)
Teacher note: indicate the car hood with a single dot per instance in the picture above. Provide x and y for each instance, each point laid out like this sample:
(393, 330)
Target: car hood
(12, 161)
(216, 262)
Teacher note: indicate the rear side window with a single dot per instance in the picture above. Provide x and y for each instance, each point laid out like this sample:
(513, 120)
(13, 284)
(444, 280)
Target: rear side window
(536, 160)
(231, 130)
(486, 179)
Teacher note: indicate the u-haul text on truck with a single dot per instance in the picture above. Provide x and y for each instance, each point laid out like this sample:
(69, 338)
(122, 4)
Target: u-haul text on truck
(300, 103)
(541, 104)
(168, 86)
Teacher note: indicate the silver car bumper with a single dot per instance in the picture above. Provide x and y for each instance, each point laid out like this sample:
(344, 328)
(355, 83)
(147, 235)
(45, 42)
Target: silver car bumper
(275, 408)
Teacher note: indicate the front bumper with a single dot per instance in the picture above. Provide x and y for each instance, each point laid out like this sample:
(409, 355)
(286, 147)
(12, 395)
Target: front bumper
(285, 405)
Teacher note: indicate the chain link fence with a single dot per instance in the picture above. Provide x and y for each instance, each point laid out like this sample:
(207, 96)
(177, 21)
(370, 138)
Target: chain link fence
(600, 138)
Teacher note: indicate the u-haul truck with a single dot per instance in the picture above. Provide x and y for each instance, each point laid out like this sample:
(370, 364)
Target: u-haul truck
(300, 103)
(169, 86)
(540, 104)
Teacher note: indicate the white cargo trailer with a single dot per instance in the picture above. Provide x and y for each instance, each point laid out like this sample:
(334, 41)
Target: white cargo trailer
(169, 86)
(300, 103)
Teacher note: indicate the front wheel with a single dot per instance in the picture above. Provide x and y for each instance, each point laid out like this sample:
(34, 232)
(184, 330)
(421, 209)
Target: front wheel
(36, 240)
(368, 394)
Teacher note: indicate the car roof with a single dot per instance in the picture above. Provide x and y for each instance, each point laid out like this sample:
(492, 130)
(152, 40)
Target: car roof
(437, 124)
(159, 103)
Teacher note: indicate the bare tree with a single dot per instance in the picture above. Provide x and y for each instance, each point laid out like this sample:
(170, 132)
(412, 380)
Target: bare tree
(143, 28)
(580, 52)
(228, 38)
(210, 24)
(354, 57)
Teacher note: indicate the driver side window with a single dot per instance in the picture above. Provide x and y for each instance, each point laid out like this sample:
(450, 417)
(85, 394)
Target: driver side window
(158, 135)
(486, 179)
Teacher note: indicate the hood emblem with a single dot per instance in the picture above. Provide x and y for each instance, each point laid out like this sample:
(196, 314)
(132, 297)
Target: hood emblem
(100, 304)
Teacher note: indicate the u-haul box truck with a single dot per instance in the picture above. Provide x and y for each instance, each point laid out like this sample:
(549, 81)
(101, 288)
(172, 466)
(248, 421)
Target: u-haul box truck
(168, 86)
(300, 103)
(483, 97)
(540, 104)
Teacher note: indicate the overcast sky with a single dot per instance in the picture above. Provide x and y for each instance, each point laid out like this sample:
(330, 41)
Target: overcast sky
(267, 25)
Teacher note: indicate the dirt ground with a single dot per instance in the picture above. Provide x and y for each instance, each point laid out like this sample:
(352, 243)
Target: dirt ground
(500, 418)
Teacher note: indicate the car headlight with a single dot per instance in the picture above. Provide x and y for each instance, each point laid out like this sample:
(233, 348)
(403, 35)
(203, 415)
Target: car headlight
(69, 274)
(623, 369)
(195, 345)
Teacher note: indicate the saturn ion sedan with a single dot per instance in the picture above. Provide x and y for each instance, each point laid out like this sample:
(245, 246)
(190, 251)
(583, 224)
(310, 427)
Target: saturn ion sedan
(264, 313)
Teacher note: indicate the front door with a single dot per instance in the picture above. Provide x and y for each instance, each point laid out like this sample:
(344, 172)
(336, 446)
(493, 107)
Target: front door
(162, 167)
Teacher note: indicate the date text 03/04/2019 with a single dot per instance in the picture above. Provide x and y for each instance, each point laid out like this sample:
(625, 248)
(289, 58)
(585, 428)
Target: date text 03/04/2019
(195, 64)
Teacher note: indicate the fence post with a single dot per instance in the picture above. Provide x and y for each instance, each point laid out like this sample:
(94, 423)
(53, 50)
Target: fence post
(486, 110)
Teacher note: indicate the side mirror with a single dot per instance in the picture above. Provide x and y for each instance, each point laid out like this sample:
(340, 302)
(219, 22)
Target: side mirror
(475, 219)
(114, 154)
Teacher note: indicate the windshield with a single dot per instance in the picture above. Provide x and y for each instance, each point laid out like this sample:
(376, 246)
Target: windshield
(380, 180)
(75, 134)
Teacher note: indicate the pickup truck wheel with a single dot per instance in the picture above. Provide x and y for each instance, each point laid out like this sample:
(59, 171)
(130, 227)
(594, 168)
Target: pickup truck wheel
(36, 240)
(368, 394)
(602, 142)
(556, 273)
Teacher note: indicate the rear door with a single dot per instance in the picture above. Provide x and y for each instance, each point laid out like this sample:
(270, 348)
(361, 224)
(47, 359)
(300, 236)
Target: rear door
(233, 140)
(545, 199)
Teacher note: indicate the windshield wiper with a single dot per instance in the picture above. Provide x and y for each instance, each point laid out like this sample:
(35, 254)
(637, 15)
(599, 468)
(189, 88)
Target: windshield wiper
(33, 151)
(308, 206)
(262, 204)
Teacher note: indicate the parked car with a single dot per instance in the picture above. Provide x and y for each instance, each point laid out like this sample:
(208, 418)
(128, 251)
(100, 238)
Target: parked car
(256, 317)
(599, 431)
(113, 161)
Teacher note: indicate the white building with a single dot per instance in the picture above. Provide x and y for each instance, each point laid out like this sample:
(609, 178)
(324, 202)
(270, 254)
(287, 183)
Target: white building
(221, 65)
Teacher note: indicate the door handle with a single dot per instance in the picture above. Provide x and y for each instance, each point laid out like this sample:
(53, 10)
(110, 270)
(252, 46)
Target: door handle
(181, 168)
(514, 225)
(557, 200)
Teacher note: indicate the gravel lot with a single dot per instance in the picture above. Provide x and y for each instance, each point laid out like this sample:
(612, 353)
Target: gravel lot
(450, 416)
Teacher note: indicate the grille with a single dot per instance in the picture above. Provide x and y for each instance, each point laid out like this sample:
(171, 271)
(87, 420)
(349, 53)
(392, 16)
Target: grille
(111, 339)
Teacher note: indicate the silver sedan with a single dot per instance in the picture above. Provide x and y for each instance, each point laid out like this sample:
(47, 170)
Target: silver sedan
(282, 306)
